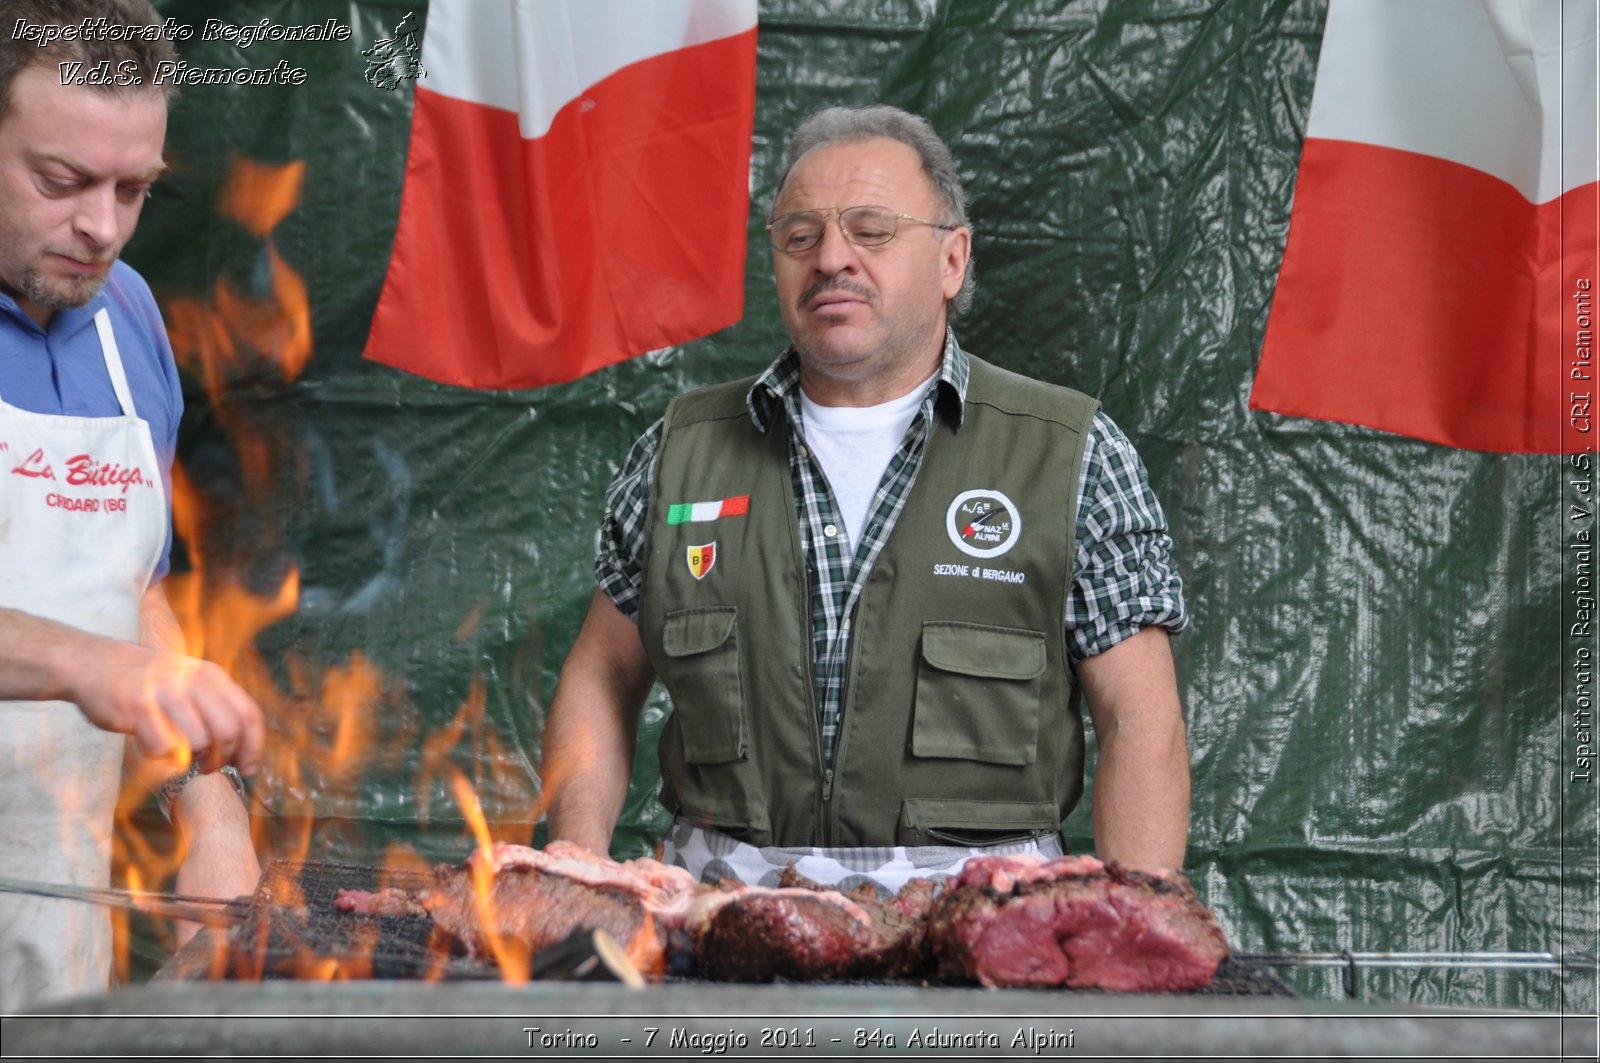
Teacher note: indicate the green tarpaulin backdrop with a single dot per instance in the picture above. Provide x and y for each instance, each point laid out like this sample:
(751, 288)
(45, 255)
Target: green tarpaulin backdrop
(1378, 718)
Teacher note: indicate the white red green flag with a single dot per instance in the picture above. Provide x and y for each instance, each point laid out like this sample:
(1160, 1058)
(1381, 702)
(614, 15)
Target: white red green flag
(1438, 279)
(577, 189)
(694, 512)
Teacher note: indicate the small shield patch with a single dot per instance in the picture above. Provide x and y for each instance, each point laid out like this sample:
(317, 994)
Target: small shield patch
(701, 558)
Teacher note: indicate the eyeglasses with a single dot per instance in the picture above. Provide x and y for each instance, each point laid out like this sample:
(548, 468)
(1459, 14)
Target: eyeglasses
(800, 231)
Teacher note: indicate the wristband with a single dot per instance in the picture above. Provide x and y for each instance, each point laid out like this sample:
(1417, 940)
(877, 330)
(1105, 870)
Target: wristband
(174, 786)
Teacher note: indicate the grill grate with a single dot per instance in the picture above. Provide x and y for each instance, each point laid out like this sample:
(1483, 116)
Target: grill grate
(294, 931)
(1235, 978)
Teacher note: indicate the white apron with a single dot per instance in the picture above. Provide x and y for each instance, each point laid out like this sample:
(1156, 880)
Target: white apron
(83, 518)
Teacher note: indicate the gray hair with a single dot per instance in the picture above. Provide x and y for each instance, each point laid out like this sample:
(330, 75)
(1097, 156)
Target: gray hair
(835, 125)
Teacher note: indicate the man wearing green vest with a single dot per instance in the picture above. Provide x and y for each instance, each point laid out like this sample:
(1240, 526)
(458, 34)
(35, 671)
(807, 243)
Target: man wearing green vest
(874, 577)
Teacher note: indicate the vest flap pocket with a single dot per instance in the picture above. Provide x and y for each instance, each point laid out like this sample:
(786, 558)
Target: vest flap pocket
(975, 649)
(978, 691)
(939, 821)
(690, 631)
(704, 681)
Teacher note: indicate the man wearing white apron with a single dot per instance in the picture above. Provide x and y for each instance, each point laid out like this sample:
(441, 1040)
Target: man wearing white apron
(86, 634)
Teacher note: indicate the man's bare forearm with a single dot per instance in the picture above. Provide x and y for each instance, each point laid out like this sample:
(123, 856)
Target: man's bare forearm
(37, 655)
(219, 858)
(589, 736)
(1141, 796)
(1140, 803)
(587, 762)
(158, 624)
(173, 704)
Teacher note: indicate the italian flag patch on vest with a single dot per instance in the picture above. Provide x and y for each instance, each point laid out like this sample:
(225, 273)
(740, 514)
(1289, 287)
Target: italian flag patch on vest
(693, 512)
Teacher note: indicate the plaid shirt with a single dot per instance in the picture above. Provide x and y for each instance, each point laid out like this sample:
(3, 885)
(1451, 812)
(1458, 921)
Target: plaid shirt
(1123, 577)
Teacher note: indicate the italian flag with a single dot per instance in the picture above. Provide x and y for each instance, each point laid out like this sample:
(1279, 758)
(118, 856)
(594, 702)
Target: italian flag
(577, 189)
(1438, 279)
(693, 512)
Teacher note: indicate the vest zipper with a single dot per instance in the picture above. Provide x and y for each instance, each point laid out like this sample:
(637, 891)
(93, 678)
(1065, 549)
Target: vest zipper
(810, 686)
(846, 688)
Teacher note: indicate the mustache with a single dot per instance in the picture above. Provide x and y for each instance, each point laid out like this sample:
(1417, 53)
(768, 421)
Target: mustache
(835, 284)
(99, 258)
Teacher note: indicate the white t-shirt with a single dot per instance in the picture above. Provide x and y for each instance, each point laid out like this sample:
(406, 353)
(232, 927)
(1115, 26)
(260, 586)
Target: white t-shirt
(853, 445)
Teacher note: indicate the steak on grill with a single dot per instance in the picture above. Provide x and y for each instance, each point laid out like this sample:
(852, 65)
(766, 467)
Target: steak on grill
(1004, 921)
(1073, 921)
(805, 932)
(535, 898)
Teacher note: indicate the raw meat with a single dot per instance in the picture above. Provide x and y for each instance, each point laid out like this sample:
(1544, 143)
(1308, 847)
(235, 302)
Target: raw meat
(1073, 921)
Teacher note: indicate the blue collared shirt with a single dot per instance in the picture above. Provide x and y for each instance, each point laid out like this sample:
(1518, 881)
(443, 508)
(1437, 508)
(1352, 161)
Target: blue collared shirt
(60, 370)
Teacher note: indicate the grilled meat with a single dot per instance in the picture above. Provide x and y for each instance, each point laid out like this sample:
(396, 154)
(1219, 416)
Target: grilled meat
(1073, 921)
(389, 901)
(803, 931)
(762, 934)
(1005, 921)
(531, 899)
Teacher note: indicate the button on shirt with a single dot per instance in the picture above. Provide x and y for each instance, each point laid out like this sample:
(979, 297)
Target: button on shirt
(61, 371)
(1123, 579)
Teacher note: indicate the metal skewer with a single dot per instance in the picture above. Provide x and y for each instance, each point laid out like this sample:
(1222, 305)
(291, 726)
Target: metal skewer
(208, 911)
(1351, 962)
(1530, 961)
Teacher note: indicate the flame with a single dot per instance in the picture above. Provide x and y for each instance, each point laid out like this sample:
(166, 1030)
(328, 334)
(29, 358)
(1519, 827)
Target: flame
(318, 728)
(259, 195)
(323, 721)
(516, 965)
(400, 859)
(235, 335)
(219, 616)
(492, 768)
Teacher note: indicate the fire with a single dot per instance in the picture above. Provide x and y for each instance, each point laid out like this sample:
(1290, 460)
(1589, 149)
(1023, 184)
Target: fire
(328, 725)
(319, 727)
(236, 334)
(515, 963)
(259, 195)
(220, 617)
(493, 770)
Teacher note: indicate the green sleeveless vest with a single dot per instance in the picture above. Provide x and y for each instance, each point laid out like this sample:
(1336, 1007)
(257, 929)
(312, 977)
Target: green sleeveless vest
(960, 721)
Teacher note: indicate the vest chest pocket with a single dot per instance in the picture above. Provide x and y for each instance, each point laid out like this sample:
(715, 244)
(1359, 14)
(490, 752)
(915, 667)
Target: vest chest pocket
(974, 824)
(978, 693)
(704, 681)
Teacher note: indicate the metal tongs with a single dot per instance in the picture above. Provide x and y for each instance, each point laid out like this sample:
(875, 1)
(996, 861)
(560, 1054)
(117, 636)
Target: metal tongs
(207, 911)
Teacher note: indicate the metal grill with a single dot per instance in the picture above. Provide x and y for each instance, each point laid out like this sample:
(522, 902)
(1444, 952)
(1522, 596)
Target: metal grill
(1235, 978)
(295, 931)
